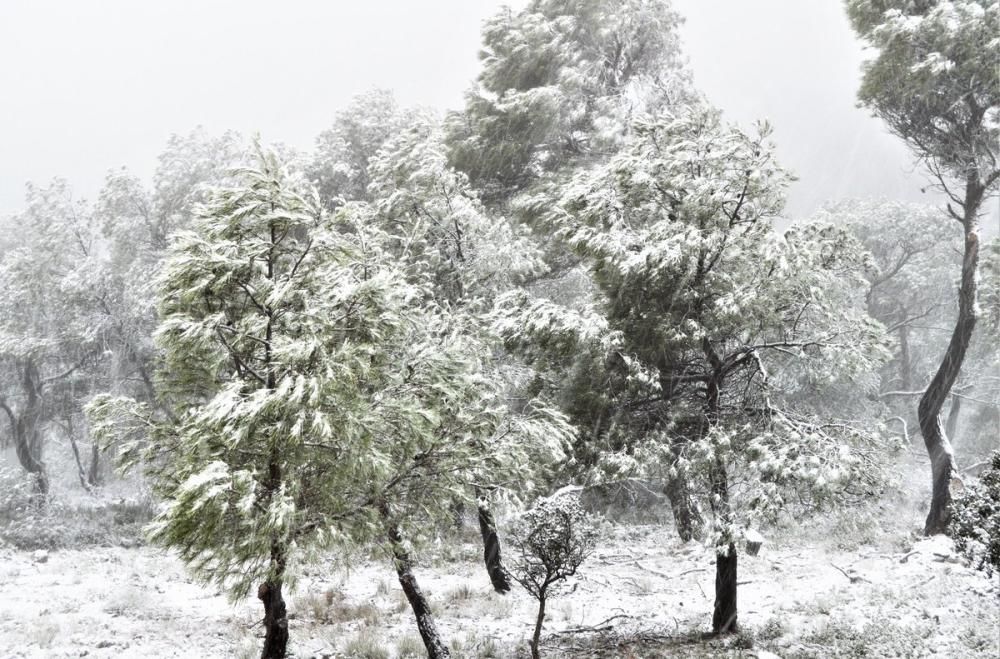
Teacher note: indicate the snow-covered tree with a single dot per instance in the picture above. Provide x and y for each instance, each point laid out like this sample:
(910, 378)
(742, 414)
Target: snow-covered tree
(909, 277)
(551, 541)
(49, 339)
(935, 83)
(314, 395)
(136, 223)
(343, 154)
(706, 324)
(442, 235)
(559, 83)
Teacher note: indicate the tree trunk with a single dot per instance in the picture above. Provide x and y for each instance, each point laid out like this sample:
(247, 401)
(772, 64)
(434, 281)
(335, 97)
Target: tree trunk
(275, 620)
(929, 410)
(24, 428)
(539, 620)
(418, 602)
(491, 548)
(724, 615)
(94, 473)
(687, 516)
(81, 472)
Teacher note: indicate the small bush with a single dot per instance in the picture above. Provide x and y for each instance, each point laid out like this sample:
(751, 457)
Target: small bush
(365, 646)
(57, 525)
(410, 647)
(975, 519)
(550, 543)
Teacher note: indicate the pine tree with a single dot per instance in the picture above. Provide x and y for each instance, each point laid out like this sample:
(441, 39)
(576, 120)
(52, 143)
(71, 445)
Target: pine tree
(705, 322)
(936, 84)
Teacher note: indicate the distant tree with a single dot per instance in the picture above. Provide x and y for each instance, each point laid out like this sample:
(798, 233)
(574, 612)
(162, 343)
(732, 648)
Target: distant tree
(340, 163)
(48, 339)
(559, 84)
(935, 83)
(136, 223)
(551, 540)
(708, 325)
(910, 275)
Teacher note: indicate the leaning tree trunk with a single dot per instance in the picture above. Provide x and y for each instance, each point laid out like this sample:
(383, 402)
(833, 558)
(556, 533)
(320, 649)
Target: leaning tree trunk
(81, 472)
(929, 410)
(436, 648)
(27, 446)
(24, 428)
(491, 547)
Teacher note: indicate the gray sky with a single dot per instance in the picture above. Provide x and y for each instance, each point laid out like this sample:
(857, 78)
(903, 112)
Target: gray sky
(89, 86)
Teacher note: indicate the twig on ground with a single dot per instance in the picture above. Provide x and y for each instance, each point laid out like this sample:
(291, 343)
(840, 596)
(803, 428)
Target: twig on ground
(854, 578)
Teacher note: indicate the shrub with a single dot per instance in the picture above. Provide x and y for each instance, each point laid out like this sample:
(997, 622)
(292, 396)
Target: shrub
(550, 542)
(975, 519)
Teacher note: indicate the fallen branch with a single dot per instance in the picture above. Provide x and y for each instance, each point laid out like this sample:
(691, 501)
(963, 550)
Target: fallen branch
(602, 626)
(854, 578)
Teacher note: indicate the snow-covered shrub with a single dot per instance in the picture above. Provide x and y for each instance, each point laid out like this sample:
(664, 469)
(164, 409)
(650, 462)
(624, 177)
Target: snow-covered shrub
(550, 543)
(975, 521)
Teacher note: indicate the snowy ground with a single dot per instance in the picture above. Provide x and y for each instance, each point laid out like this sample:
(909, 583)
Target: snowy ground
(645, 593)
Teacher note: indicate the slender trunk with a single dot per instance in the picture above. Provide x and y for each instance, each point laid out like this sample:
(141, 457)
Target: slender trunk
(929, 409)
(418, 602)
(538, 627)
(94, 473)
(491, 548)
(275, 620)
(81, 472)
(724, 615)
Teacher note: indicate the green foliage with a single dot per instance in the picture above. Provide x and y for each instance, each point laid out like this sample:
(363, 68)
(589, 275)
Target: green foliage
(559, 82)
(975, 521)
(698, 294)
(340, 166)
(934, 80)
(306, 385)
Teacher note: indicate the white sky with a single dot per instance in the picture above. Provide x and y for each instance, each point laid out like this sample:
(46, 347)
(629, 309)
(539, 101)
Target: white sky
(90, 86)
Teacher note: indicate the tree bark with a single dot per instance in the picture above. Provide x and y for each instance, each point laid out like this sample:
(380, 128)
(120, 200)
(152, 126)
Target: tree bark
(94, 473)
(491, 548)
(929, 409)
(724, 615)
(539, 620)
(436, 648)
(24, 427)
(81, 472)
(275, 620)
(687, 516)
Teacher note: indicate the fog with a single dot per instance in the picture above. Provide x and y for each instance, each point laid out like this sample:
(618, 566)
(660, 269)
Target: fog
(93, 86)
